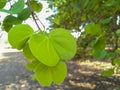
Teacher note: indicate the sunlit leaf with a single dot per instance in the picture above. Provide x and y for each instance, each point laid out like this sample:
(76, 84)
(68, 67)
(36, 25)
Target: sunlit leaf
(43, 75)
(93, 29)
(50, 48)
(19, 34)
(64, 43)
(108, 72)
(42, 48)
(2, 3)
(46, 75)
(36, 6)
(32, 66)
(60, 70)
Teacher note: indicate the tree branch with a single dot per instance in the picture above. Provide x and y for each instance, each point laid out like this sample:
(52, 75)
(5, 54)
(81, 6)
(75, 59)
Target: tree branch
(32, 13)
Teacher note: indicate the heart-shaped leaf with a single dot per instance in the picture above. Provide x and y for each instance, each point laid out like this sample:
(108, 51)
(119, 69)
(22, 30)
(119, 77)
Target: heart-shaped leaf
(24, 14)
(18, 35)
(63, 42)
(43, 50)
(50, 48)
(59, 72)
(43, 75)
(36, 6)
(46, 75)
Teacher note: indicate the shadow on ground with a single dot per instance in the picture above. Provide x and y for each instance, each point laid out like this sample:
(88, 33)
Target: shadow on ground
(14, 76)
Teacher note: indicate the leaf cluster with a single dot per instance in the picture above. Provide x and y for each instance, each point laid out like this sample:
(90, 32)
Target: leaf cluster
(98, 23)
(46, 52)
(18, 12)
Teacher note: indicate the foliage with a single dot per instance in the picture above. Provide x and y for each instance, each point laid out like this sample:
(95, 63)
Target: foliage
(98, 21)
(46, 52)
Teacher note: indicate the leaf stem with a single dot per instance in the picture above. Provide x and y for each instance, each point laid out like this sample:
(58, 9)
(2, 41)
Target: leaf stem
(33, 14)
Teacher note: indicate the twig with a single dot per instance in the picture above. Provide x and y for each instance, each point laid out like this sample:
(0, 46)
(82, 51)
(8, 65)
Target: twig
(40, 22)
(32, 13)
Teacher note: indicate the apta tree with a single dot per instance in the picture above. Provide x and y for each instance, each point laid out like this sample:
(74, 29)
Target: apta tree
(97, 21)
(48, 51)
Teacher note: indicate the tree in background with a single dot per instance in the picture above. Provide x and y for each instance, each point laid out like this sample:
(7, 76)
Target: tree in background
(98, 21)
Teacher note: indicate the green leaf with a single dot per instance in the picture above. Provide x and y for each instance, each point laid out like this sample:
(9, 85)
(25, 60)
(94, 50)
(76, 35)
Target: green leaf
(16, 8)
(32, 66)
(49, 49)
(118, 32)
(64, 43)
(9, 21)
(12, 20)
(56, 20)
(24, 14)
(43, 75)
(27, 53)
(7, 26)
(99, 54)
(36, 6)
(7, 11)
(46, 75)
(42, 48)
(99, 44)
(19, 34)
(93, 29)
(59, 72)
(111, 4)
(2, 3)
(116, 61)
(106, 21)
(110, 54)
(108, 72)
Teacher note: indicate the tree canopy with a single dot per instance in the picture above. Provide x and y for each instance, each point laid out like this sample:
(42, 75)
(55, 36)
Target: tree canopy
(99, 19)
(98, 22)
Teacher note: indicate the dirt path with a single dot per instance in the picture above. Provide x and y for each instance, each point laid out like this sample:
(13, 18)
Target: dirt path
(81, 76)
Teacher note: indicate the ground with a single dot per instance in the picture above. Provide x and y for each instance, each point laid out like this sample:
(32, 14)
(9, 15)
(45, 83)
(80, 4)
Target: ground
(81, 75)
